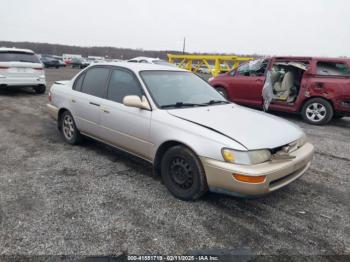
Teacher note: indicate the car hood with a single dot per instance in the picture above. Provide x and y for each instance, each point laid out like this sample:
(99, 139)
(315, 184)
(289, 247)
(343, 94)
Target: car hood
(251, 128)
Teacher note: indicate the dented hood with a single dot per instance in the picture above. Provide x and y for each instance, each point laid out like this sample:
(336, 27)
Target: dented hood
(251, 128)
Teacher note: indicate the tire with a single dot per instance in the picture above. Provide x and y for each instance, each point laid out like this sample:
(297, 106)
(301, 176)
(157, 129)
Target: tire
(182, 173)
(40, 89)
(222, 91)
(69, 130)
(317, 111)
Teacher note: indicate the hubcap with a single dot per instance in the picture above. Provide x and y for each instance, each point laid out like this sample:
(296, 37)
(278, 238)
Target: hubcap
(68, 127)
(181, 173)
(316, 112)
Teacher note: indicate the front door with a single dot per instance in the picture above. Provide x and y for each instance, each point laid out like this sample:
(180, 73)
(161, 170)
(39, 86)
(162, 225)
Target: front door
(122, 126)
(247, 84)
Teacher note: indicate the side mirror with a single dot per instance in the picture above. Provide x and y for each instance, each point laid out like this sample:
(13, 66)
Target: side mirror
(135, 101)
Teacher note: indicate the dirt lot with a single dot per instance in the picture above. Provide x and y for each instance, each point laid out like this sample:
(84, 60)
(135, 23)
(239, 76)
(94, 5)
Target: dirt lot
(95, 200)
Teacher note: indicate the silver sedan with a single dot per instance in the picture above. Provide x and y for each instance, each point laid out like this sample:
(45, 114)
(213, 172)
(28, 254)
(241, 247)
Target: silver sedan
(195, 139)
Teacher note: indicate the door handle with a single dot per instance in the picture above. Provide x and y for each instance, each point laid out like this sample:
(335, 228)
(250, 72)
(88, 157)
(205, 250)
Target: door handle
(94, 104)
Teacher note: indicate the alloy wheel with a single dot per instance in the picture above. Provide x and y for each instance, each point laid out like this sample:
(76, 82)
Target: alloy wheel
(68, 127)
(316, 112)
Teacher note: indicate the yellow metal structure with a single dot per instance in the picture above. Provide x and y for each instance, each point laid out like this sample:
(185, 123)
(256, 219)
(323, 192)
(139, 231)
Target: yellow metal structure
(212, 64)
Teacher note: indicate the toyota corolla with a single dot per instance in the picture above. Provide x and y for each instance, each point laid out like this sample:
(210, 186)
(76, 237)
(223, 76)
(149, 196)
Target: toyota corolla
(195, 139)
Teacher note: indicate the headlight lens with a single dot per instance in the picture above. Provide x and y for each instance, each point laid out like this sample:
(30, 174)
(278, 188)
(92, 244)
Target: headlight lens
(246, 157)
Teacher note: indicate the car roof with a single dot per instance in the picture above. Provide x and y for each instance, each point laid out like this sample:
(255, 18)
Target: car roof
(137, 67)
(13, 49)
(311, 58)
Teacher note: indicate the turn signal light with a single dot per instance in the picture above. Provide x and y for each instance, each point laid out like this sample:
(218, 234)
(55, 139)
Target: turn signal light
(249, 179)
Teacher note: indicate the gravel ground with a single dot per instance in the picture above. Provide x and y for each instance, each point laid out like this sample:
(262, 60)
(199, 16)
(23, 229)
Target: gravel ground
(91, 199)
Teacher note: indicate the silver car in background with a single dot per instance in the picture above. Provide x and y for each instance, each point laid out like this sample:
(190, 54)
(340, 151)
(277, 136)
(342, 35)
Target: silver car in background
(195, 139)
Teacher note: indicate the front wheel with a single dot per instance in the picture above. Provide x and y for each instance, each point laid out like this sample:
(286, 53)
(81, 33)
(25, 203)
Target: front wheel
(183, 174)
(317, 111)
(69, 130)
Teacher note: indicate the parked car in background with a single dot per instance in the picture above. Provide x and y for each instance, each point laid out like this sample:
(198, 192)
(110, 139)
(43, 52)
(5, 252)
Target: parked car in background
(51, 61)
(79, 62)
(60, 61)
(317, 88)
(149, 60)
(195, 139)
(21, 67)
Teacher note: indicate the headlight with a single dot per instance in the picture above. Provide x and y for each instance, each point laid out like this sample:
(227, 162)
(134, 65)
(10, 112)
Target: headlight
(302, 141)
(246, 157)
(210, 79)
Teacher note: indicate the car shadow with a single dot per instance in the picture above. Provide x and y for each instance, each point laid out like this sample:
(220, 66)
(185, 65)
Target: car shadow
(16, 91)
(116, 155)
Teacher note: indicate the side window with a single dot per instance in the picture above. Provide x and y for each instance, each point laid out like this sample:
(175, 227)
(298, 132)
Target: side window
(253, 68)
(332, 69)
(122, 83)
(95, 81)
(78, 82)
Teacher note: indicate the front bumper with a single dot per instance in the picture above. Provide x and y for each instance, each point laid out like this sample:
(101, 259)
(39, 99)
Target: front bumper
(53, 111)
(278, 173)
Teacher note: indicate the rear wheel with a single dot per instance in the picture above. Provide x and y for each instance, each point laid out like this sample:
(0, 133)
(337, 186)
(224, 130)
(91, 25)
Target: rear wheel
(183, 174)
(222, 91)
(317, 111)
(40, 89)
(68, 129)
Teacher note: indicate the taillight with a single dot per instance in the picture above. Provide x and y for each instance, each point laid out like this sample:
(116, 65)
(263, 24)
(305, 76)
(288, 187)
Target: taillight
(38, 68)
(50, 97)
(4, 67)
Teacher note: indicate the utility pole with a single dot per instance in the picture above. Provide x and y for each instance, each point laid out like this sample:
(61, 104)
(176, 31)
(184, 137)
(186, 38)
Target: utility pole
(184, 46)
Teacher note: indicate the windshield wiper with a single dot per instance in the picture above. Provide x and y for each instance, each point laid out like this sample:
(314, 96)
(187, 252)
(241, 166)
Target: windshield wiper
(213, 102)
(181, 104)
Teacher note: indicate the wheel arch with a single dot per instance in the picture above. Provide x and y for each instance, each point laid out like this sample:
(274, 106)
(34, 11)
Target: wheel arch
(162, 149)
(312, 97)
(59, 116)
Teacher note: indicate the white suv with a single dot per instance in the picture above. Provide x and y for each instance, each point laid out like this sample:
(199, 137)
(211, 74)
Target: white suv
(21, 67)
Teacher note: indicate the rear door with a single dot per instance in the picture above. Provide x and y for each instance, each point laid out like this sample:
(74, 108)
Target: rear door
(90, 89)
(332, 81)
(125, 127)
(247, 83)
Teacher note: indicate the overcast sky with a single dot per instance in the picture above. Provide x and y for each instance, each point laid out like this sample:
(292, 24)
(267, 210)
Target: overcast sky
(293, 27)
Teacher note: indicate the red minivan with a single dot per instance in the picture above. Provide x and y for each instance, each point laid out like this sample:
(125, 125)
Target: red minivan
(318, 88)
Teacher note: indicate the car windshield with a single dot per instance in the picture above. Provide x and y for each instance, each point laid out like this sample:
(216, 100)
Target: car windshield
(174, 89)
(18, 57)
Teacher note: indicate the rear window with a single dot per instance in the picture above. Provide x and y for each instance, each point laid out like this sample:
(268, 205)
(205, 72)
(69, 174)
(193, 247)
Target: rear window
(333, 69)
(18, 57)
